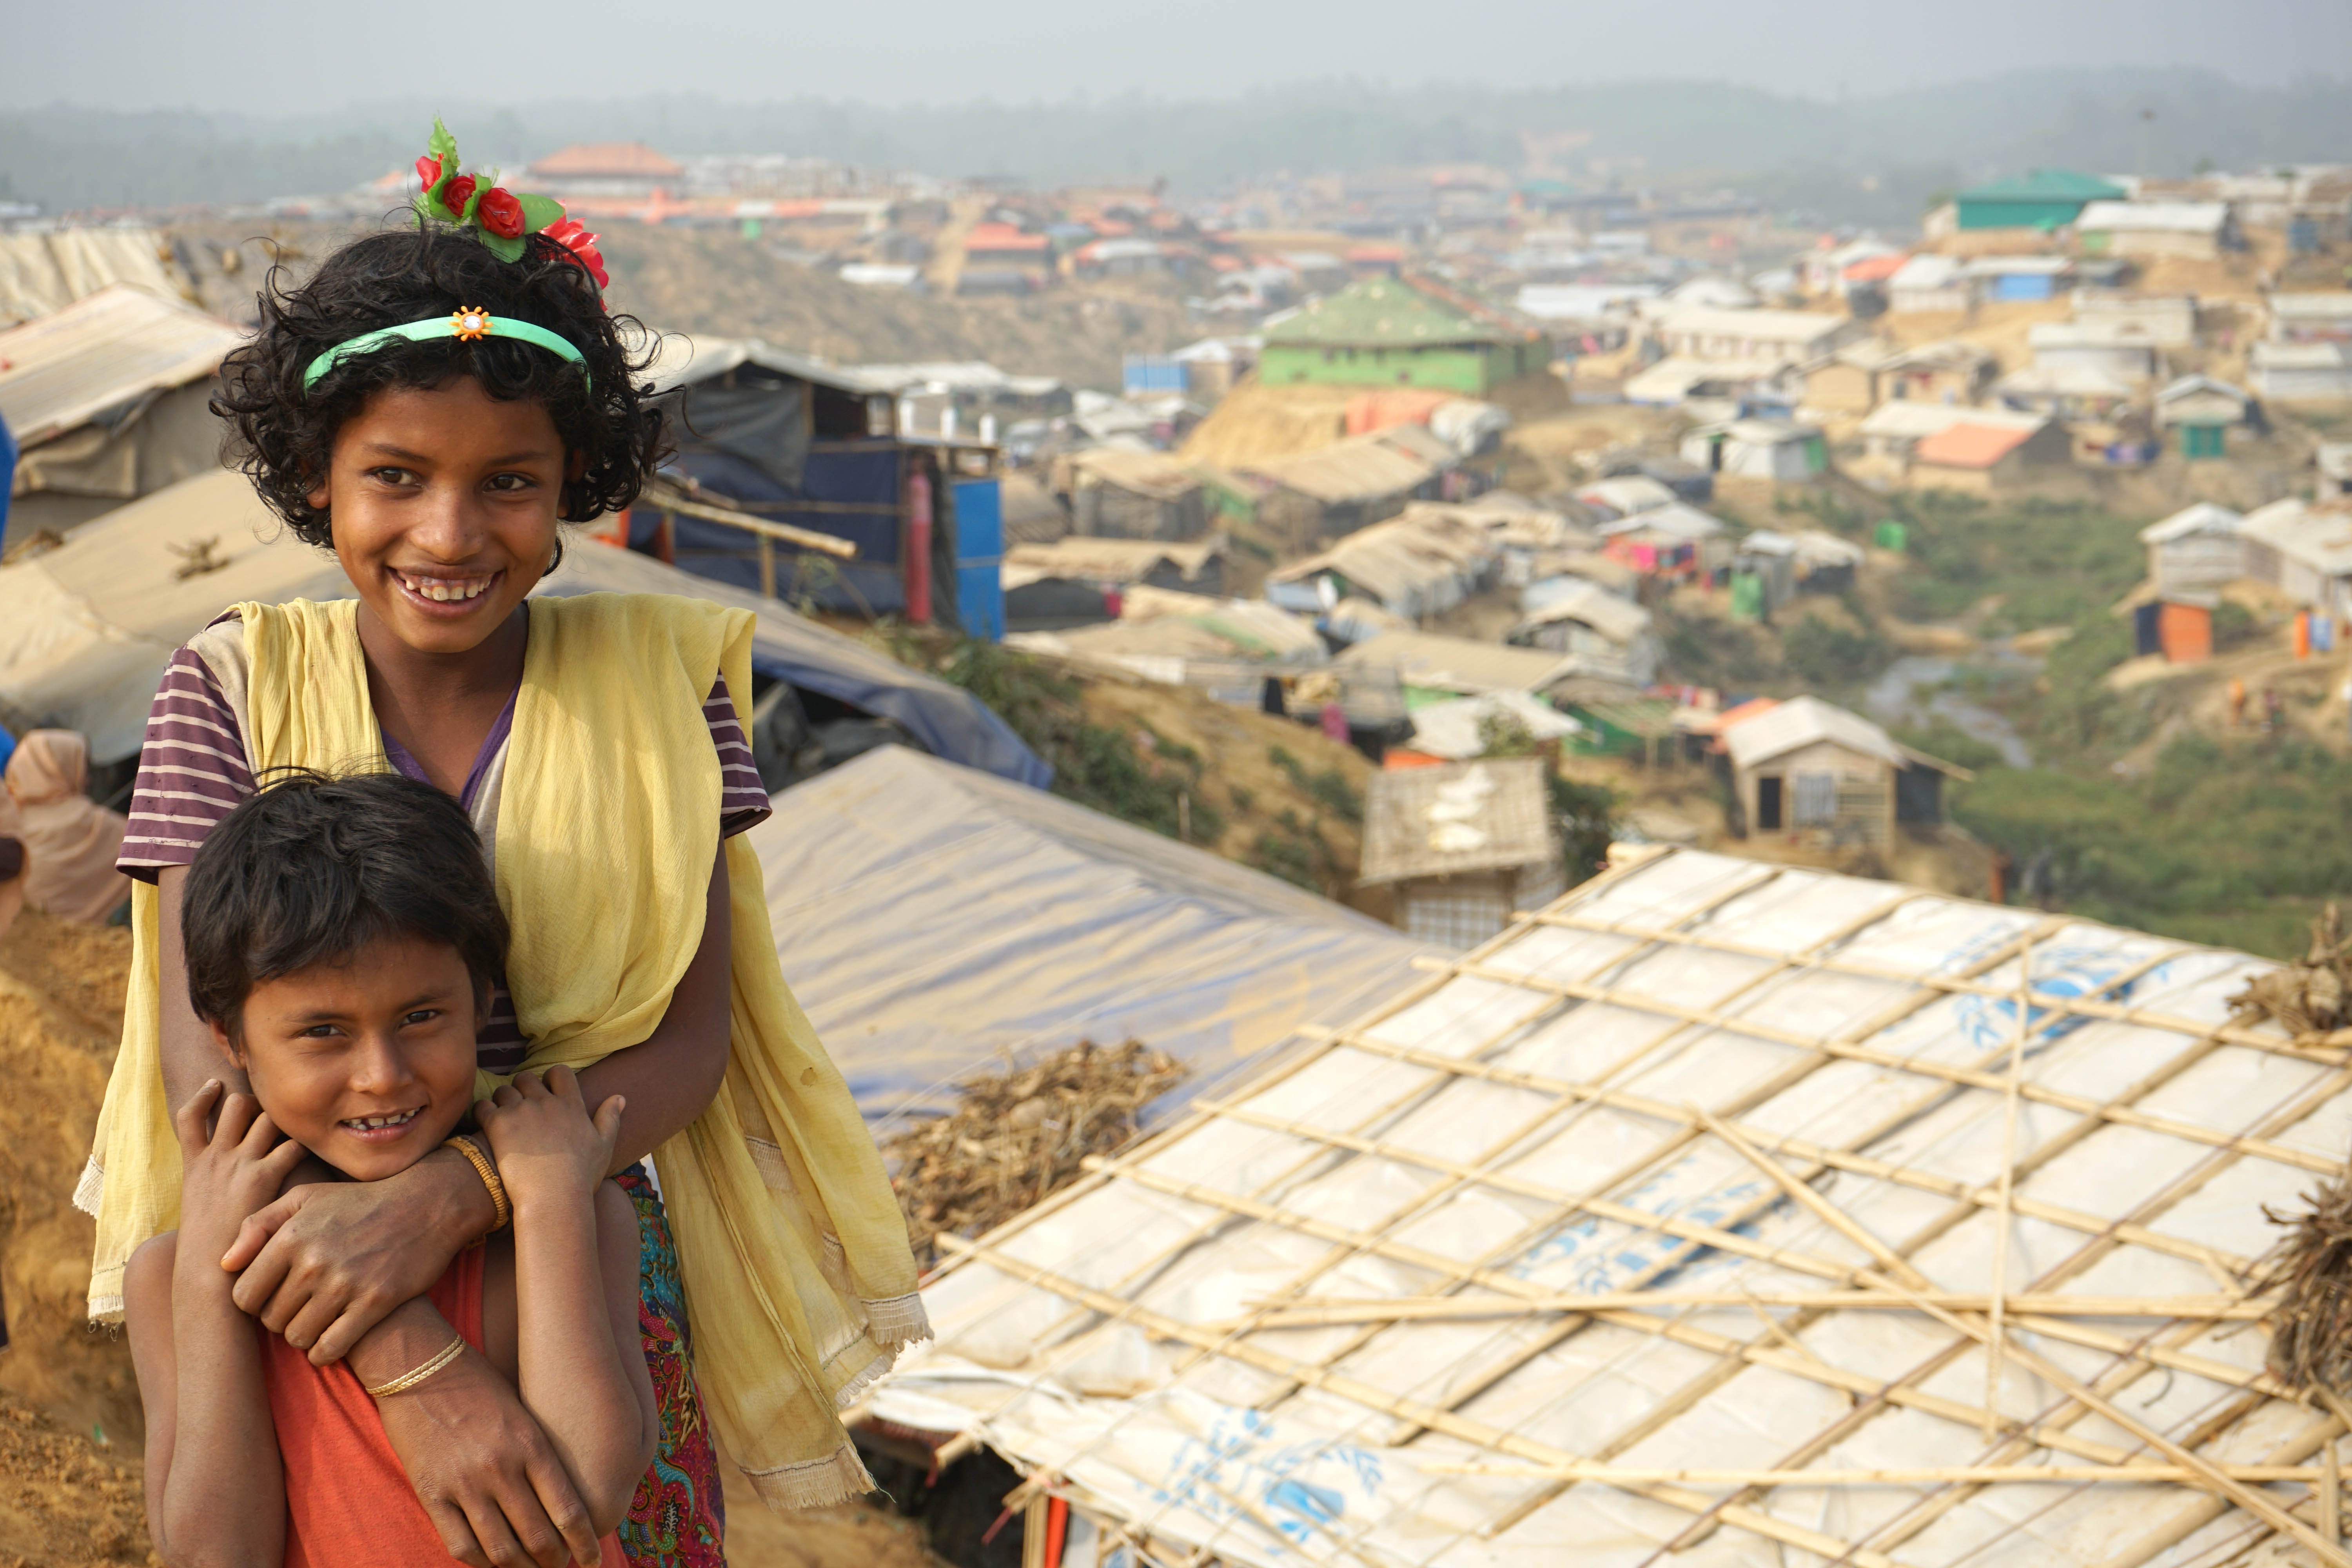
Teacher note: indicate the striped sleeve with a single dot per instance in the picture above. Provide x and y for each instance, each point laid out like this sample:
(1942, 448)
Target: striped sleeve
(192, 769)
(742, 798)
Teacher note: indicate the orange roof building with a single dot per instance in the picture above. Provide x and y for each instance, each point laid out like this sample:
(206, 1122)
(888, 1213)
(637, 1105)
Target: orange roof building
(1980, 458)
(605, 168)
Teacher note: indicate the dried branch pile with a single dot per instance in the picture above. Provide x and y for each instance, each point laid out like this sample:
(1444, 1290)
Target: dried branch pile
(2311, 1326)
(1015, 1137)
(2307, 998)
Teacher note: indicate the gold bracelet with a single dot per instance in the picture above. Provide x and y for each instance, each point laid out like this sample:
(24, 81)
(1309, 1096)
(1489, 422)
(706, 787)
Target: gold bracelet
(408, 1380)
(502, 1211)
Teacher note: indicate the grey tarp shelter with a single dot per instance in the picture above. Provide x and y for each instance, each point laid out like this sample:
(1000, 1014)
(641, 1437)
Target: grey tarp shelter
(90, 625)
(934, 920)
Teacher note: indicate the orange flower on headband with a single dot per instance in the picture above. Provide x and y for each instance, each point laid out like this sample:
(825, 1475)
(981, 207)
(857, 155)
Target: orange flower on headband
(472, 323)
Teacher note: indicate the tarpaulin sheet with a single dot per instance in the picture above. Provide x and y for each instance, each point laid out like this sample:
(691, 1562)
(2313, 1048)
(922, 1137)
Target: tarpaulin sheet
(1530, 1125)
(90, 625)
(933, 920)
(869, 583)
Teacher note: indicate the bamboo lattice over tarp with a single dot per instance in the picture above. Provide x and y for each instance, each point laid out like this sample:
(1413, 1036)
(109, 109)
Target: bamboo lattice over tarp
(1667, 1214)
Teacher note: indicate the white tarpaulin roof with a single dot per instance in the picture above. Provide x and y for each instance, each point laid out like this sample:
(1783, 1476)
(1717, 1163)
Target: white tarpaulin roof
(933, 920)
(1335, 1318)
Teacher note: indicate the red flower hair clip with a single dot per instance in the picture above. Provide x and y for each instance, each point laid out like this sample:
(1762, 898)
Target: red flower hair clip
(505, 219)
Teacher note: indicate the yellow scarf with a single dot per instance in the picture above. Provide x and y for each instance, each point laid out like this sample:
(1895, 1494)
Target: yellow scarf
(797, 1272)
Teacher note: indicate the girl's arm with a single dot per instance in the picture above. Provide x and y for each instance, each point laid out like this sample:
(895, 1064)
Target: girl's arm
(215, 1490)
(579, 1359)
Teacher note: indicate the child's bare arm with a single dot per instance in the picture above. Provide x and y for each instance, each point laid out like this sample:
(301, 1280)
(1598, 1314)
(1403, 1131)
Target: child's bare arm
(215, 1490)
(578, 1355)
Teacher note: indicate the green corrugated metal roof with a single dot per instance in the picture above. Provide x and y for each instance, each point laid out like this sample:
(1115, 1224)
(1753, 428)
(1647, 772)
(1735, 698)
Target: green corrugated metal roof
(2046, 184)
(1382, 312)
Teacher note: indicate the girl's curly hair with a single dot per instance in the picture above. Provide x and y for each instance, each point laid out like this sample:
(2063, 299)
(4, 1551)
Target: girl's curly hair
(284, 438)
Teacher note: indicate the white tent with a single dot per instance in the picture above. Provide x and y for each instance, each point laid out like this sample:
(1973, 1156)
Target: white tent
(934, 920)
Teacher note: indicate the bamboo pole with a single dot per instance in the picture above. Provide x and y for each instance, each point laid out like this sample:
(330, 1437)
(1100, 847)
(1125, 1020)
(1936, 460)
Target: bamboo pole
(2328, 1051)
(1371, 1396)
(1852, 1050)
(2331, 1495)
(2008, 1184)
(1317, 1312)
(2261, 1504)
(667, 499)
(1927, 1475)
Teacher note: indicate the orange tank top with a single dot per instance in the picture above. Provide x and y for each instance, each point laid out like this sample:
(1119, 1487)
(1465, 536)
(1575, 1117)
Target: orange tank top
(348, 1503)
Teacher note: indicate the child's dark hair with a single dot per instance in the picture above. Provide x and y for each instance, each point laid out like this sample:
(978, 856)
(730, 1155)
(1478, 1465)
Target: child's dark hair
(284, 438)
(313, 869)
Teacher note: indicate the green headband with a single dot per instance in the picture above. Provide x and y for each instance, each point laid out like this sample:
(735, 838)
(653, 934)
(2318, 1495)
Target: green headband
(469, 325)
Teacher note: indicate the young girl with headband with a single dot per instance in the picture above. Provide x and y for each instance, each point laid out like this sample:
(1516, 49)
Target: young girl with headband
(430, 406)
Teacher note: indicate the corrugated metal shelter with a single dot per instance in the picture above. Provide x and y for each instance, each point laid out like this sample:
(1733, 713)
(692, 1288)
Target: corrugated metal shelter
(1116, 493)
(933, 920)
(1608, 637)
(1808, 764)
(2043, 199)
(1458, 666)
(2197, 229)
(1791, 1217)
(2303, 549)
(92, 623)
(107, 400)
(2195, 547)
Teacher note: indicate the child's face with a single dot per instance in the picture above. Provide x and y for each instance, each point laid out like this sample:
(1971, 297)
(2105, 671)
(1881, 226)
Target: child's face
(369, 1062)
(444, 492)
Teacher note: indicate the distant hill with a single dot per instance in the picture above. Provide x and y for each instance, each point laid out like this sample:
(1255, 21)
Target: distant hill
(1867, 152)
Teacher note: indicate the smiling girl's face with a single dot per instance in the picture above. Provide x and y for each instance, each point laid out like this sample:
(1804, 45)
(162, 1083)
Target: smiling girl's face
(368, 1062)
(444, 502)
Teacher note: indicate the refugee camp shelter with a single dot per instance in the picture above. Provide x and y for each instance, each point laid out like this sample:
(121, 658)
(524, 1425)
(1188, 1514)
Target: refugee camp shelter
(2043, 199)
(1755, 336)
(1422, 563)
(1714, 1168)
(2176, 624)
(92, 624)
(1785, 451)
(43, 270)
(2195, 547)
(1805, 764)
(934, 920)
(1079, 581)
(1929, 283)
(2303, 549)
(1606, 636)
(2199, 230)
(1226, 647)
(1352, 483)
(1430, 667)
(2302, 371)
(1118, 493)
(1392, 332)
(107, 401)
(2199, 412)
(767, 436)
(1463, 845)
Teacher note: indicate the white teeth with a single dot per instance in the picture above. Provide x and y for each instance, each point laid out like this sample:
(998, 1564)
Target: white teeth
(441, 590)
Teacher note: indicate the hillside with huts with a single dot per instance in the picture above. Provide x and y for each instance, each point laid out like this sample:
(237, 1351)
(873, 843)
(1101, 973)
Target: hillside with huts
(1357, 757)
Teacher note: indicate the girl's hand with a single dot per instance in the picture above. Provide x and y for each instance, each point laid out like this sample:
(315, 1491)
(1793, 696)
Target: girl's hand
(229, 1171)
(548, 1148)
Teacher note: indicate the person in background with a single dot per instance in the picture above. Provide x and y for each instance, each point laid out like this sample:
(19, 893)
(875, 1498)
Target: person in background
(11, 871)
(70, 841)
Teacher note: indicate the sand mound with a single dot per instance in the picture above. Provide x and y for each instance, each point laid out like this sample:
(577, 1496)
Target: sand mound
(60, 1018)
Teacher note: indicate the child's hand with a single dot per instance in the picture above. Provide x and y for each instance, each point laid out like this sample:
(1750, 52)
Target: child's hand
(230, 1171)
(546, 1145)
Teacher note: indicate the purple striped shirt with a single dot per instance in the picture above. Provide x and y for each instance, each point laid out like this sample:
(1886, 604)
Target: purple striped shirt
(192, 771)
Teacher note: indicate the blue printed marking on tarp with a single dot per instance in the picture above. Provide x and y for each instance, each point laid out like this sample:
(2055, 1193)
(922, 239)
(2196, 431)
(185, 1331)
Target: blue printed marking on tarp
(1209, 1471)
(2073, 971)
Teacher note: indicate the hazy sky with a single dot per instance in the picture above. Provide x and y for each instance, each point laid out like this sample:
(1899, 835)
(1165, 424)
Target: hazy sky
(268, 57)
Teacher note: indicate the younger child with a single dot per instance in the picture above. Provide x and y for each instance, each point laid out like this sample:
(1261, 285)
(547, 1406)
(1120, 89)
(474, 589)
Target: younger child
(341, 937)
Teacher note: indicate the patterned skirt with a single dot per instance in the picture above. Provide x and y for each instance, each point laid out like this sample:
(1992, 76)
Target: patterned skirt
(678, 1517)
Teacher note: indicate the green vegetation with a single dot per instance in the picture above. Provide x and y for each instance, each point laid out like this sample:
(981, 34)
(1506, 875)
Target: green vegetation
(1297, 852)
(1133, 776)
(2235, 845)
(1826, 657)
(1587, 817)
(1328, 788)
